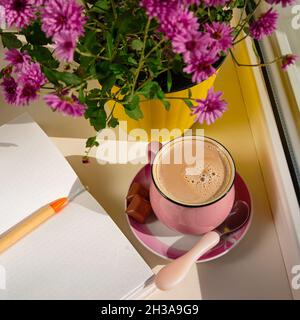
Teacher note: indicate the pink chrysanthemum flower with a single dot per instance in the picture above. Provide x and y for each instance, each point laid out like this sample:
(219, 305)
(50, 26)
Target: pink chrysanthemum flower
(32, 75)
(191, 45)
(160, 8)
(181, 26)
(215, 3)
(209, 109)
(201, 67)
(29, 81)
(19, 12)
(265, 25)
(63, 15)
(180, 22)
(25, 94)
(190, 2)
(39, 2)
(221, 33)
(67, 105)
(9, 86)
(200, 70)
(288, 60)
(65, 45)
(17, 59)
(284, 3)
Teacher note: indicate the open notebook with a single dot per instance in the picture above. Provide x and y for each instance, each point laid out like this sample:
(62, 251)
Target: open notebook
(78, 254)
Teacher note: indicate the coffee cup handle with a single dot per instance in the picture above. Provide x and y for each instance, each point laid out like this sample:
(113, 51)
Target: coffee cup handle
(153, 148)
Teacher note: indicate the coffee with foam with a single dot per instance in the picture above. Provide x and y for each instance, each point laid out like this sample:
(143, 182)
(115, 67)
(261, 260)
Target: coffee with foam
(187, 176)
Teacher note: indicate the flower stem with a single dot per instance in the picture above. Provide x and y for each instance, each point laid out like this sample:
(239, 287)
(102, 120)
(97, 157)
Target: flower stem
(243, 38)
(74, 86)
(85, 5)
(114, 9)
(103, 98)
(154, 48)
(151, 78)
(242, 13)
(141, 62)
(94, 29)
(100, 24)
(12, 32)
(48, 88)
(111, 113)
(176, 98)
(247, 19)
(87, 151)
(85, 53)
(209, 14)
(256, 64)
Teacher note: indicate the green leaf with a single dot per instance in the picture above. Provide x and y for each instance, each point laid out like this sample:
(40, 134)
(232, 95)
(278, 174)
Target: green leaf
(35, 35)
(81, 95)
(10, 41)
(178, 64)
(109, 42)
(100, 6)
(189, 93)
(152, 90)
(68, 78)
(89, 40)
(240, 3)
(108, 83)
(124, 90)
(50, 74)
(132, 61)
(129, 23)
(98, 121)
(92, 142)
(188, 103)
(44, 56)
(134, 103)
(118, 69)
(169, 80)
(92, 109)
(113, 122)
(246, 30)
(26, 47)
(133, 110)
(94, 93)
(154, 65)
(137, 44)
(103, 69)
(166, 104)
(86, 62)
(135, 114)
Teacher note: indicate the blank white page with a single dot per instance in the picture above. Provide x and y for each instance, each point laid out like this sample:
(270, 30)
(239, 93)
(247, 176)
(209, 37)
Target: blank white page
(79, 253)
(32, 171)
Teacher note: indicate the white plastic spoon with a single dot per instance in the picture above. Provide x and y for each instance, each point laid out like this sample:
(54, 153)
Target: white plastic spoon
(174, 272)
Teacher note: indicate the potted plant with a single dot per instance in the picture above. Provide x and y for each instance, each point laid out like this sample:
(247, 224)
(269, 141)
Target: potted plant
(155, 60)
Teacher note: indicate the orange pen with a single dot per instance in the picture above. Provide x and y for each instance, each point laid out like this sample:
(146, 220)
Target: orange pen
(33, 221)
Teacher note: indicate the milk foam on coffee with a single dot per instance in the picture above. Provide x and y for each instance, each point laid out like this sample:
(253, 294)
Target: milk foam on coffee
(193, 184)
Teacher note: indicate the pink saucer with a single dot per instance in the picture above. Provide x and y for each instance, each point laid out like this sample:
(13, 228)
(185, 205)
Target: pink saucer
(169, 244)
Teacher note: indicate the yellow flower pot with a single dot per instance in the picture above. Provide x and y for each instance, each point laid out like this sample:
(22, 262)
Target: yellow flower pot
(178, 118)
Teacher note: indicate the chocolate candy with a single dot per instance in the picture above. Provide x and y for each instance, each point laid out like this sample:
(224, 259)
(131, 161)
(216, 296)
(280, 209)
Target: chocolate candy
(137, 188)
(139, 208)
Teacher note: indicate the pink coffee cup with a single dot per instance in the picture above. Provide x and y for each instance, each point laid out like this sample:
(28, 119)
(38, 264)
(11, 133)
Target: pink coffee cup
(190, 219)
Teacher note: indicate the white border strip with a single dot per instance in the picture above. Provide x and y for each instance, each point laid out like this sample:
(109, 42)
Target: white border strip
(278, 182)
